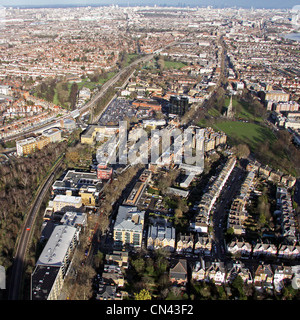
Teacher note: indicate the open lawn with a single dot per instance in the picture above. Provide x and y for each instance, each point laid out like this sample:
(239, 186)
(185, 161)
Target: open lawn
(214, 112)
(242, 110)
(246, 132)
(261, 141)
(92, 85)
(131, 57)
(174, 65)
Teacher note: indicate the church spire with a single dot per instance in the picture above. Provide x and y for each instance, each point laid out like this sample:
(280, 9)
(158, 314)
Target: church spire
(229, 112)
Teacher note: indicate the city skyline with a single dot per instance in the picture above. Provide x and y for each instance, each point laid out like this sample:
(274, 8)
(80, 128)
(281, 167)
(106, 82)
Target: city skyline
(193, 3)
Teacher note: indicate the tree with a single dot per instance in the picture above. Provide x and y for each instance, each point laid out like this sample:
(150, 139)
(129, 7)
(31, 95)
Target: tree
(98, 259)
(221, 293)
(139, 265)
(103, 222)
(242, 151)
(73, 95)
(72, 157)
(150, 267)
(142, 295)
(288, 292)
(238, 286)
(178, 213)
(62, 93)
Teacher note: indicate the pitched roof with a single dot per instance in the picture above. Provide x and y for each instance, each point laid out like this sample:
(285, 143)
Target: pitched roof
(179, 271)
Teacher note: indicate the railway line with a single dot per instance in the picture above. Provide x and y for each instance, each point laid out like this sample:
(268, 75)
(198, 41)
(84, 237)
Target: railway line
(26, 233)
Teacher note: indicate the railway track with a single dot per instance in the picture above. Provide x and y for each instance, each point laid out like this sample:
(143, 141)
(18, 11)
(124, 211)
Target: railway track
(26, 233)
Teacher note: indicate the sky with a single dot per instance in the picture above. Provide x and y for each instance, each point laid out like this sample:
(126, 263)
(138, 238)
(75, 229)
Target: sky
(217, 3)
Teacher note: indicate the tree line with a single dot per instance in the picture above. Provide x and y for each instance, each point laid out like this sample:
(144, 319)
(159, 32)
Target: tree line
(19, 181)
(54, 91)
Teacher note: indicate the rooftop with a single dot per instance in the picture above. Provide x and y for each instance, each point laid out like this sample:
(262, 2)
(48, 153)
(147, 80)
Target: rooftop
(75, 180)
(129, 218)
(57, 246)
(43, 278)
(67, 198)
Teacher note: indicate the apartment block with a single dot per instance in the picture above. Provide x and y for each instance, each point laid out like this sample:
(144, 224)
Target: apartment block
(51, 267)
(128, 228)
(104, 172)
(64, 203)
(30, 145)
(87, 185)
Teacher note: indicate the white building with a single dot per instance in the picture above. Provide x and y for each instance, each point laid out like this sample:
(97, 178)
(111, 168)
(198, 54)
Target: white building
(66, 203)
(5, 90)
(59, 246)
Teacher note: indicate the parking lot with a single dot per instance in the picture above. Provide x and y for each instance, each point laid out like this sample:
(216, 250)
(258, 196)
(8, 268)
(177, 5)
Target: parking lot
(118, 110)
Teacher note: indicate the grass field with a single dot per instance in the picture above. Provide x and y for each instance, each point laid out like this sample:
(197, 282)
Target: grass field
(214, 112)
(130, 58)
(245, 132)
(92, 85)
(173, 64)
(242, 110)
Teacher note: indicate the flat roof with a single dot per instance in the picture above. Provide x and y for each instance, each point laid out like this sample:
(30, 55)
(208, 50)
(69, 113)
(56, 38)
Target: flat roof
(42, 281)
(77, 179)
(57, 246)
(73, 218)
(67, 198)
(51, 131)
(25, 141)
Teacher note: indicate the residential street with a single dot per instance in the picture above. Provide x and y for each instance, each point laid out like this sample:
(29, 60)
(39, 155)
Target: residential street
(219, 215)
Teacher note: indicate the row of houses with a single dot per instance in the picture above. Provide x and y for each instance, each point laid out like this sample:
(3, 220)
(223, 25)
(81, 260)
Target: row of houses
(112, 279)
(210, 197)
(238, 213)
(262, 276)
(270, 174)
(285, 216)
(246, 249)
(161, 234)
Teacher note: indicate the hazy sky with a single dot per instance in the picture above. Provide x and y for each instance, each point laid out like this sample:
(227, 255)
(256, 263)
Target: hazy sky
(218, 3)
